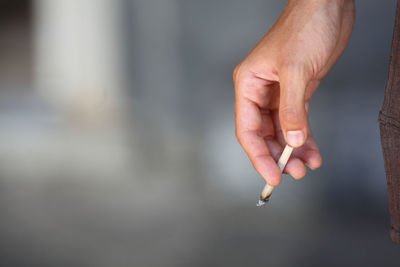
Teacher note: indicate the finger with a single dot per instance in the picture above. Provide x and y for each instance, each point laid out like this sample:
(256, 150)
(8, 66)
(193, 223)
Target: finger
(292, 114)
(309, 153)
(248, 131)
(294, 167)
(259, 155)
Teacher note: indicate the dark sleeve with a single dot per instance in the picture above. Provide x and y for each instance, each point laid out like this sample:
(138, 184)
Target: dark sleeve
(389, 122)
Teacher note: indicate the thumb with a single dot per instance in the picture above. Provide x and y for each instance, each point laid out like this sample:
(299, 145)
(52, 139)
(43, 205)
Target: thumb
(292, 113)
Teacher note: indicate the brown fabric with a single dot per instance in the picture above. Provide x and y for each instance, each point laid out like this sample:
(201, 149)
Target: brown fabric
(389, 121)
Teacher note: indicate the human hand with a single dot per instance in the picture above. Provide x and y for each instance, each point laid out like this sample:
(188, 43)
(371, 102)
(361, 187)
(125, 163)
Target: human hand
(274, 83)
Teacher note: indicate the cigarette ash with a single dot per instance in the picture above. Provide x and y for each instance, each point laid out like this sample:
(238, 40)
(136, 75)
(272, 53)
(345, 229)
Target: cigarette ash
(262, 202)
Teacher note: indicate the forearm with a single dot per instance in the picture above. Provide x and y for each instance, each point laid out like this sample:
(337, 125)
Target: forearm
(341, 6)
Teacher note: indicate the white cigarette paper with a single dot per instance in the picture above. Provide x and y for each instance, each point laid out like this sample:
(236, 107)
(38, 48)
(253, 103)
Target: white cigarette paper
(267, 191)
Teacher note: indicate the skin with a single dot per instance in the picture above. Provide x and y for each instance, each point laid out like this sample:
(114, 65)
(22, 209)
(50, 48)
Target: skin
(275, 82)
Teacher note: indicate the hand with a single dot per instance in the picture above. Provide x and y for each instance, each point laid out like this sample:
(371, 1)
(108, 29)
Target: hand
(274, 83)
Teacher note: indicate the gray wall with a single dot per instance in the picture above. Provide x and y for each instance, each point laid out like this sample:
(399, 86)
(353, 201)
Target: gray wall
(168, 184)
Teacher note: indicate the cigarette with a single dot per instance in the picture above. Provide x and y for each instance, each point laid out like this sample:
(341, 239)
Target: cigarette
(267, 191)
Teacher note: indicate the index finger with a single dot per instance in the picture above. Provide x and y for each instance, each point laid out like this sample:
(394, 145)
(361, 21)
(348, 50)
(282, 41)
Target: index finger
(249, 124)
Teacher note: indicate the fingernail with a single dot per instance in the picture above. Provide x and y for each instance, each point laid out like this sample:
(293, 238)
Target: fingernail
(309, 166)
(295, 138)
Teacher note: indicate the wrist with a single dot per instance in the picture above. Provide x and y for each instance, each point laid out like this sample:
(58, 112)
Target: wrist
(341, 6)
(338, 3)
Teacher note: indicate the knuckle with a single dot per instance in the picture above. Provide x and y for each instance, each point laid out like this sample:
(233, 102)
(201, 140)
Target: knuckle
(239, 72)
(239, 136)
(235, 73)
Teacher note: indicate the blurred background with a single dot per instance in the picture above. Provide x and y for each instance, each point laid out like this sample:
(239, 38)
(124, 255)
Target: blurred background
(117, 140)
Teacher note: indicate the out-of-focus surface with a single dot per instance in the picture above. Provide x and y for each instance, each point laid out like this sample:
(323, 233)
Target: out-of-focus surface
(117, 142)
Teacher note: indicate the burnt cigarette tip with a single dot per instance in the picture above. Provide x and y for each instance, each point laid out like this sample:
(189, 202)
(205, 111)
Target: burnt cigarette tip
(262, 201)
